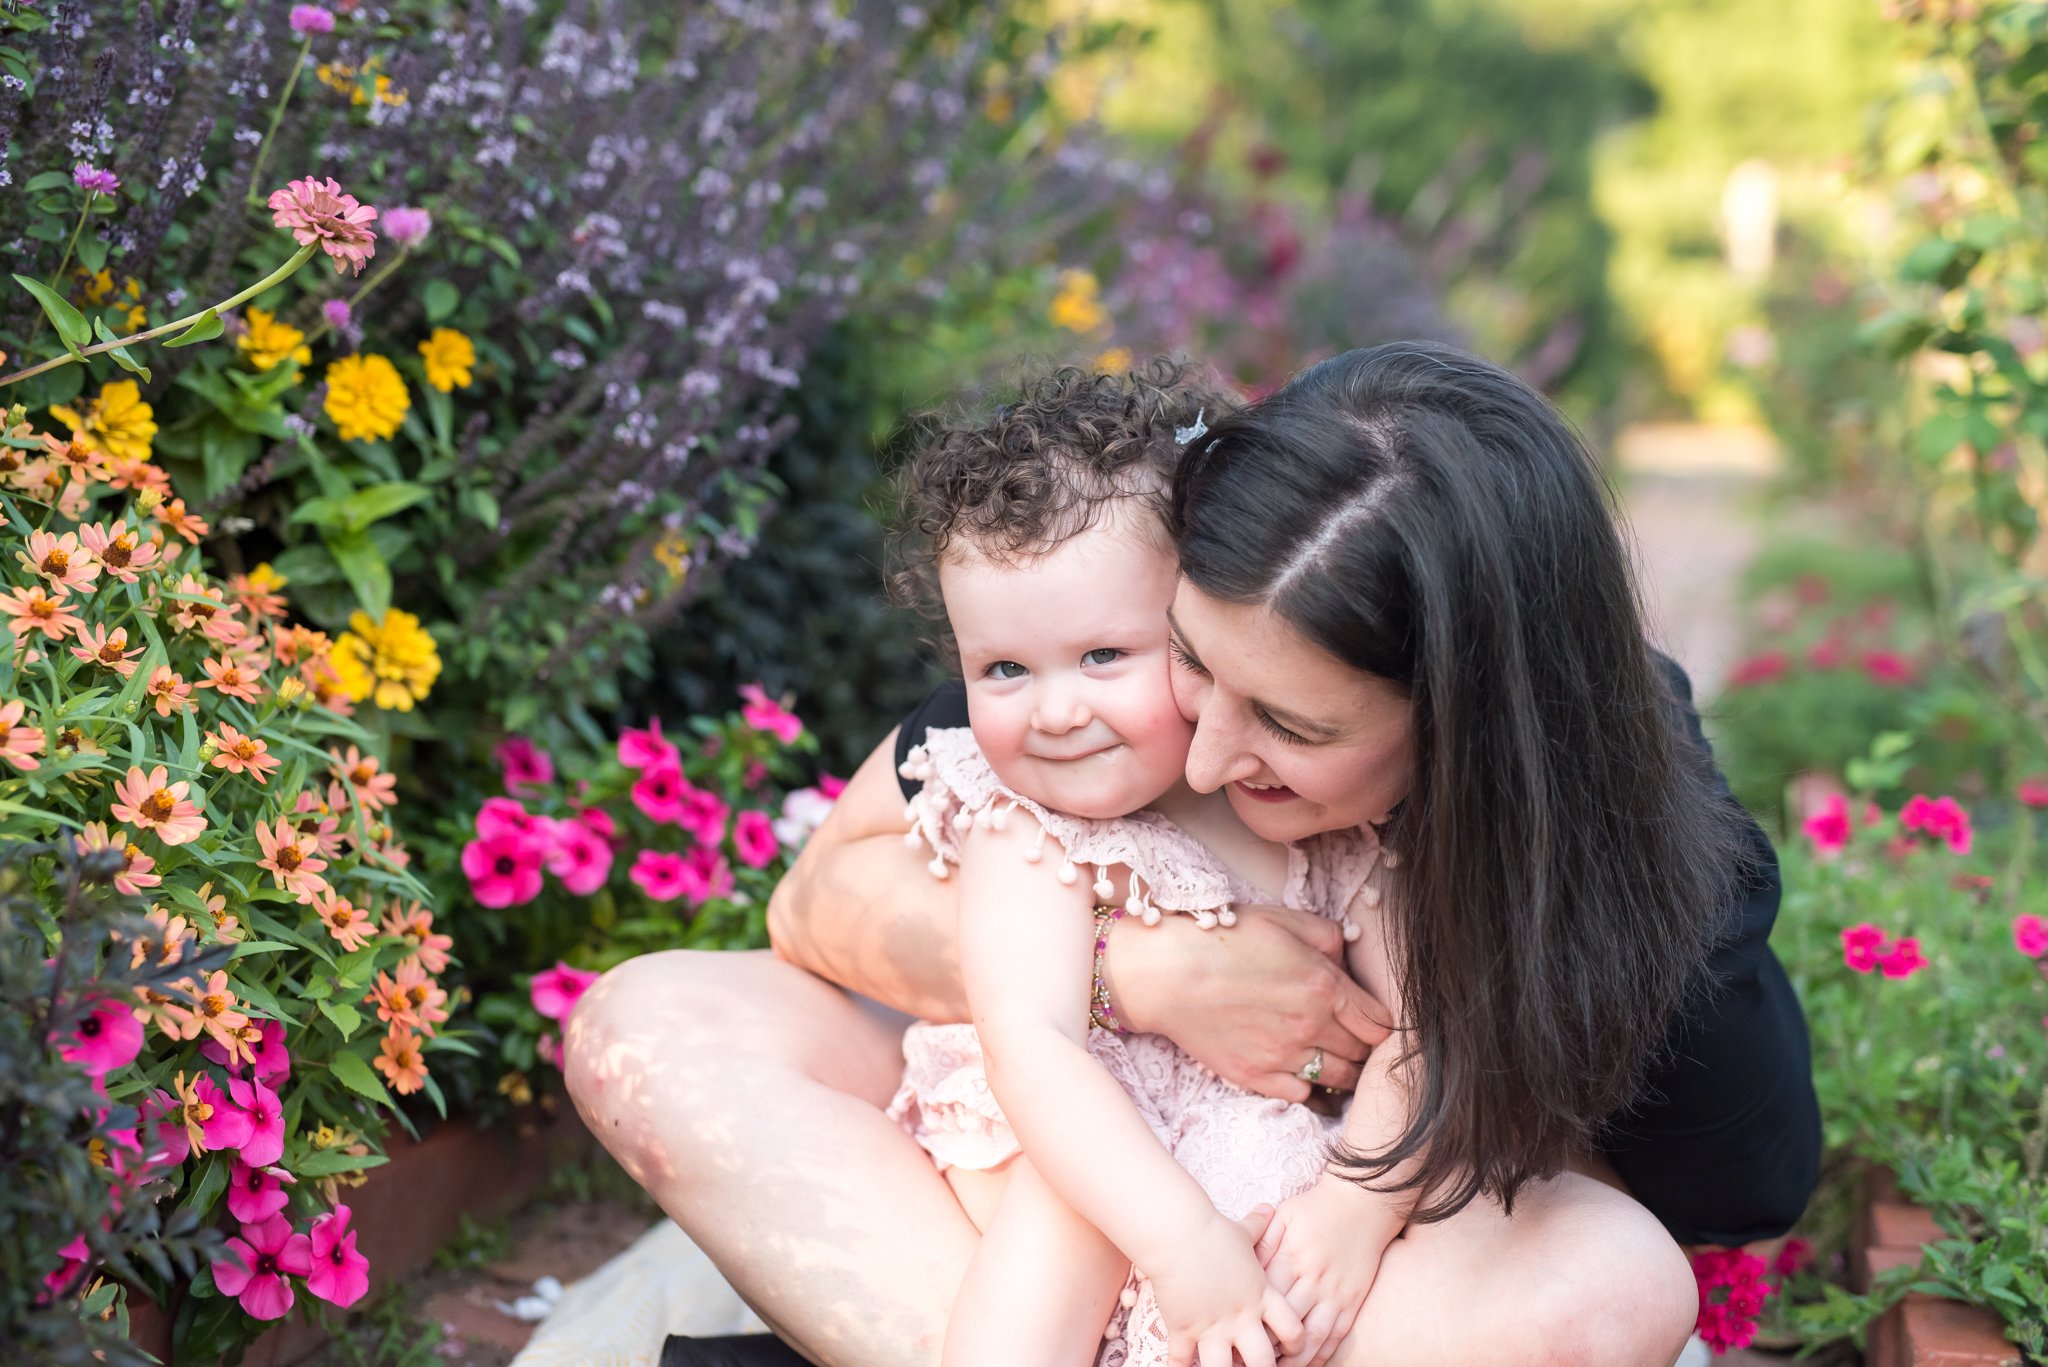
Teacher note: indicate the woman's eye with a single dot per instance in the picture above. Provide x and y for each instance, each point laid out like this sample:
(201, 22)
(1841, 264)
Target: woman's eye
(1278, 730)
(1182, 658)
(1007, 669)
(1106, 656)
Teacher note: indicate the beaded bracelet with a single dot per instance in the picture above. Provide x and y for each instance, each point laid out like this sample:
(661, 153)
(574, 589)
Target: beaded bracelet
(1100, 1012)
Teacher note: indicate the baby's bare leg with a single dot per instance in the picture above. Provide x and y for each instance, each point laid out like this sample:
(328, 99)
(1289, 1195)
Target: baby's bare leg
(1041, 1286)
(745, 1095)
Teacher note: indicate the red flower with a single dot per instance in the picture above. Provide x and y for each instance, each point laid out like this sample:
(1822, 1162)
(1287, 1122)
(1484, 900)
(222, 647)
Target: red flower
(1862, 945)
(1939, 818)
(1903, 960)
(2030, 934)
(1829, 828)
(556, 990)
(2034, 791)
(1732, 1296)
(1792, 1256)
(1826, 655)
(1887, 667)
(1757, 669)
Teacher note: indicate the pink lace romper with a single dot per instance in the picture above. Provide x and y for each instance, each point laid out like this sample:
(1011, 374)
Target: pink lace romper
(1243, 1148)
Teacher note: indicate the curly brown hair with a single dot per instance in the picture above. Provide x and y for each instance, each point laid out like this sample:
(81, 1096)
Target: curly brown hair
(1041, 469)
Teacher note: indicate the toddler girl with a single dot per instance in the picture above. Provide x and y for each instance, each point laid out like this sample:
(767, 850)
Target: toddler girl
(1079, 1149)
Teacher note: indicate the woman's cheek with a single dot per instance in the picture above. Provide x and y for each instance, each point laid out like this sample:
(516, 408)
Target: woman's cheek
(1187, 693)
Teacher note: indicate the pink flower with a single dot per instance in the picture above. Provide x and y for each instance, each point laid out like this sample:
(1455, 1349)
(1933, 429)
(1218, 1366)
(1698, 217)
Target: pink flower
(1829, 827)
(160, 1117)
(1887, 667)
(659, 792)
(1732, 1296)
(1940, 818)
(91, 178)
(265, 1144)
(502, 815)
(1903, 960)
(703, 815)
(757, 774)
(661, 875)
(253, 1193)
(108, 1038)
(1861, 946)
(707, 877)
(2034, 791)
(2030, 934)
(71, 1258)
(504, 869)
(556, 990)
(640, 749)
(1793, 1255)
(579, 857)
(311, 19)
(407, 227)
(765, 714)
(600, 824)
(338, 314)
(1827, 654)
(831, 787)
(321, 213)
(753, 838)
(254, 1267)
(525, 764)
(340, 1275)
(226, 1126)
(1758, 669)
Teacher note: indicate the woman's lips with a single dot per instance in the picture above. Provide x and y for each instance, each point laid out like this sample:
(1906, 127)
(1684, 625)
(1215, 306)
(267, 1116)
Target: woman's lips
(1264, 794)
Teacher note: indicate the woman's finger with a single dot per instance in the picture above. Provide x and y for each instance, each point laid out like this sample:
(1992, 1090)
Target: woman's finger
(1325, 937)
(1339, 1073)
(1316, 1340)
(1281, 1319)
(1363, 1017)
(1340, 1329)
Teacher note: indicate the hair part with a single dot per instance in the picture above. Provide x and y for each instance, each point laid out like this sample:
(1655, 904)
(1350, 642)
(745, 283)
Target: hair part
(1568, 852)
(1074, 448)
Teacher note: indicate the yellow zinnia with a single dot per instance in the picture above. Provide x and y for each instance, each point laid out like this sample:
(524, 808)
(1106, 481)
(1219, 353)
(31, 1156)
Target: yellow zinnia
(449, 356)
(117, 422)
(365, 397)
(1078, 306)
(393, 663)
(1115, 361)
(265, 341)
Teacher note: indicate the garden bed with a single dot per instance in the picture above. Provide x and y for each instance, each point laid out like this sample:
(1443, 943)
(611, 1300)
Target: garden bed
(1921, 1331)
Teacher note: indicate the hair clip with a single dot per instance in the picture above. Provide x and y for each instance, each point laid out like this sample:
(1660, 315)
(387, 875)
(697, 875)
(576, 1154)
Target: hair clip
(1183, 435)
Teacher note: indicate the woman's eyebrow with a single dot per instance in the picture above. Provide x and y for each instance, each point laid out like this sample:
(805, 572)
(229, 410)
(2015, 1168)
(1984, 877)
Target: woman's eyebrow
(1320, 730)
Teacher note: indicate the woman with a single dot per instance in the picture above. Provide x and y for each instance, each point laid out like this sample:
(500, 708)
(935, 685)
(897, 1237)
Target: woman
(1405, 603)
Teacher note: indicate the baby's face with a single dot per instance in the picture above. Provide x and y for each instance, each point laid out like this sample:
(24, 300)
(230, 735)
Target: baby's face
(1068, 686)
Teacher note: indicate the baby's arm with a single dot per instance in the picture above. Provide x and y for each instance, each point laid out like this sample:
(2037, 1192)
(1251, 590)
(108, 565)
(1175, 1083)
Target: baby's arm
(1324, 1246)
(1025, 949)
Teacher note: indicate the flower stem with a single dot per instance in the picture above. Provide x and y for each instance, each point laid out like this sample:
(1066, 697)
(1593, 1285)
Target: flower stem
(282, 273)
(270, 133)
(57, 280)
(377, 277)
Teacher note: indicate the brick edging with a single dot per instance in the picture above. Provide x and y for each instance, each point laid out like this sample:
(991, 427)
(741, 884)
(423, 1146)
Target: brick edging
(1920, 1331)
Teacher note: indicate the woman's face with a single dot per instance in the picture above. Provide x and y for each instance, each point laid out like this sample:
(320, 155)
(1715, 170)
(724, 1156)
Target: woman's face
(1299, 740)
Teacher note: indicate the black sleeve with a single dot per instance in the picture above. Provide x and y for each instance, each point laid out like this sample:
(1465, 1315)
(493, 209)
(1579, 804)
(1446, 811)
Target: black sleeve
(1724, 1144)
(944, 706)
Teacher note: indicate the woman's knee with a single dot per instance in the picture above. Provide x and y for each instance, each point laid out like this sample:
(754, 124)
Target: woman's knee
(1616, 1292)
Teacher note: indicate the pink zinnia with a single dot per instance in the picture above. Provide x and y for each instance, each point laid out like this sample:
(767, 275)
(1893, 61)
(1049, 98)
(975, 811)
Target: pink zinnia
(556, 990)
(659, 792)
(525, 764)
(1862, 945)
(152, 802)
(254, 1193)
(504, 869)
(703, 815)
(311, 19)
(265, 1144)
(765, 714)
(1732, 1295)
(405, 226)
(661, 875)
(708, 877)
(1903, 960)
(109, 1037)
(317, 212)
(753, 838)
(254, 1267)
(340, 1275)
(1828, 828)
(2030, 934)
(641, 749)
(579, 857)
(86, 176)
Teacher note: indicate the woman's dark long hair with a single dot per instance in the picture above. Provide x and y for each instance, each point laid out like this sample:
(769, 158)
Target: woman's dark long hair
(1568, 853)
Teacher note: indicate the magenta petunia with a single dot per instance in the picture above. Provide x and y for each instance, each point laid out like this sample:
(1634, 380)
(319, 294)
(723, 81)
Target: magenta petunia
(703, 814)
(579, 857)
(753, 839)
(319, 212)
(831, 787)
(340, 1275)
(707, 877)
(640, 749)
(600, 823)
(763, 713)
(273, 1061)
(265, 1144)
(72, 1259)
(504, 869)
(162, 1124)
(254, 1193)
(254, 1267)
(524, 763)
(556, 990)
(661, 875)
(109, 1037)
(227, 1126)
(499, 815)
(659, 792)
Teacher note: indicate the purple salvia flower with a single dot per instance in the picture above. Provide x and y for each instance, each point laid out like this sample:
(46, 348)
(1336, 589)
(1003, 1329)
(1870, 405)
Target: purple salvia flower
(406, 227)
(90, 177)
(311, 19)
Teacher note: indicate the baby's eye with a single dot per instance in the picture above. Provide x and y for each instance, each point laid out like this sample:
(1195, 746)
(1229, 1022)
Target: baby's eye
(1108, 655)
(1007, 669)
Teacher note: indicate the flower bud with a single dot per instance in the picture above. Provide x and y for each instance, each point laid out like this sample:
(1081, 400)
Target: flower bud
(207, 752)
(131, 707)
(149, 498)
(291, 690)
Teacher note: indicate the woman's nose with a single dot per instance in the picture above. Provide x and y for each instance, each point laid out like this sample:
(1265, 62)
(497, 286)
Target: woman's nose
(1215, 755)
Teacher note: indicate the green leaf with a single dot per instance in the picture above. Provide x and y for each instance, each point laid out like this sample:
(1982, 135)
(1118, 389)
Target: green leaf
(205, 328)
(119, 353)
(346, 1018)
(441, 299)
(46, 180)
(327, 1162)
(355, 1075)
(92, 252)
(69, 322)
(378, 502)
(364, 567)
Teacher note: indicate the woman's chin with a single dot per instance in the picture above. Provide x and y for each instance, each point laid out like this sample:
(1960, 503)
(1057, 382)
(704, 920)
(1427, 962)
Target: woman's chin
(1278, 815)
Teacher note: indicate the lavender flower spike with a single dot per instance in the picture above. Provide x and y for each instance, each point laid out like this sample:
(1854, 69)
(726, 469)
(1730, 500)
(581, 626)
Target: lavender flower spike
(310, 19)
(89, 177)
(405, 227)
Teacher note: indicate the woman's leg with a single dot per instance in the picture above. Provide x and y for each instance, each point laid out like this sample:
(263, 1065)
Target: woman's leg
(1583, 1276)
(745, 1095)
(1041, 1286)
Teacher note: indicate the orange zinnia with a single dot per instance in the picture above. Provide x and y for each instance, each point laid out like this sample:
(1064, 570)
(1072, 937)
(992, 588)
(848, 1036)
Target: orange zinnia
(150, 801)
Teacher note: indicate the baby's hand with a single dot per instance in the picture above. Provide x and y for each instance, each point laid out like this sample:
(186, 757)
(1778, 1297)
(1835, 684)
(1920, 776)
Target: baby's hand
(1216, 1300)
(1322, 1251)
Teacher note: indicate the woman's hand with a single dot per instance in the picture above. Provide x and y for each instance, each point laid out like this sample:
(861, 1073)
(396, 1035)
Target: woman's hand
(1253, 1001)
(1322, 1250)
(1216, 1300)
